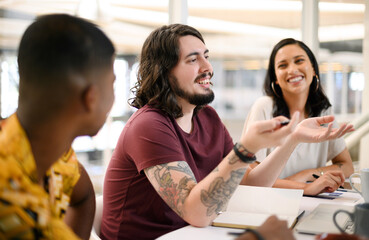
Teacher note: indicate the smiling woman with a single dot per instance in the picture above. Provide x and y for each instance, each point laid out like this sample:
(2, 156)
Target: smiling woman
(292, 85)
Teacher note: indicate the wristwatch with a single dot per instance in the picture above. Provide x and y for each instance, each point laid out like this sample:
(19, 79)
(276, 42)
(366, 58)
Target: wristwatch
(243, 154)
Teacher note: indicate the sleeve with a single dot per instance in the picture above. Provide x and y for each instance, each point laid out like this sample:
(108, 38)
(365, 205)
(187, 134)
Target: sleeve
(228, 142)
(260, 110)
(152, 140)
(335, 146)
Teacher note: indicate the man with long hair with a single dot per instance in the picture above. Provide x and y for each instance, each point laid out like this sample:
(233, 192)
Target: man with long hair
(175, 163)
(65, 90)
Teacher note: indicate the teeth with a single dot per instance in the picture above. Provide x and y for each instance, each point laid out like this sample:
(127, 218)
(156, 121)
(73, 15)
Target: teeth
(204, 82)
(295, 79)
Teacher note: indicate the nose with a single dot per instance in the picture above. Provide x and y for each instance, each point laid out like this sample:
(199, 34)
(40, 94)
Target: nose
(292, 69)
(206, 66)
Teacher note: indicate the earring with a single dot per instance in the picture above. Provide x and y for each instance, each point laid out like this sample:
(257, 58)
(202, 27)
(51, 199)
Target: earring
(317, 83)
(274, 90)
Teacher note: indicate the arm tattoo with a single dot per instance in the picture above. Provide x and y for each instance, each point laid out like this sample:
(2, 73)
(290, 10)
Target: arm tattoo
(220, 192)
(233, 159)
(174, 194)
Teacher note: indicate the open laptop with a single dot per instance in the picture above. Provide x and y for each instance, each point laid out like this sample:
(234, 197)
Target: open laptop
(320, 220)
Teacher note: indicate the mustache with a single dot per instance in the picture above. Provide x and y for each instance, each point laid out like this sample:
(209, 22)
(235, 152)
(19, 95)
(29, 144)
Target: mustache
(203, 75)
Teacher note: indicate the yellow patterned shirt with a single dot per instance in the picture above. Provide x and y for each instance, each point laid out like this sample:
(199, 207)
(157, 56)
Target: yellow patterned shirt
(27, 210)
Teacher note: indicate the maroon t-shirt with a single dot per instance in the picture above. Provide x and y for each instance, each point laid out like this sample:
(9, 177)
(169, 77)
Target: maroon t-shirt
(132, 208)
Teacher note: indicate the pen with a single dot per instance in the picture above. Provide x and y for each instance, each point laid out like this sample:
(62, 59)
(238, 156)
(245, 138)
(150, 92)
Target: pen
(236, 233)
(316, 177)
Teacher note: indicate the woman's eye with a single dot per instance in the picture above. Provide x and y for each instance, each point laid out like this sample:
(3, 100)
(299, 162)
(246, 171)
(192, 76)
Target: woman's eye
(300, 60)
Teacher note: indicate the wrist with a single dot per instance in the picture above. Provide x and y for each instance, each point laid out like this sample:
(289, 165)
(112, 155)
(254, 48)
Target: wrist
(244, 154)
(250, 145)
(320, 171)
(292, 140)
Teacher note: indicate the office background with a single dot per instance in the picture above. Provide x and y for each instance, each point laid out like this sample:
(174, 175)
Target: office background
(240, 35)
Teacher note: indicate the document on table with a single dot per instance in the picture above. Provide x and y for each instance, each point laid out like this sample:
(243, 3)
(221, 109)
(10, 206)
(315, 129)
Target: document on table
(251, 206)
(339, 196)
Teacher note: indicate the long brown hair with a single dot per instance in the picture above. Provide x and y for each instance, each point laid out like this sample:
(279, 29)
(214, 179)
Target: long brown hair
(317, 100)
(160, 54)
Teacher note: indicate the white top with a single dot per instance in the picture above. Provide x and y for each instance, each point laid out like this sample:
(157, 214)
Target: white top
(305, 155)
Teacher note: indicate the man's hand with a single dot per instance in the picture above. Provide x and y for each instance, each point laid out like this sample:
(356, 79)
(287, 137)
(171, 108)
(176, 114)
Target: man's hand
(272, 228)
(268, 133)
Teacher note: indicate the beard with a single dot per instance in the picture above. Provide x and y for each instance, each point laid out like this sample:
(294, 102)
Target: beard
(194, 99)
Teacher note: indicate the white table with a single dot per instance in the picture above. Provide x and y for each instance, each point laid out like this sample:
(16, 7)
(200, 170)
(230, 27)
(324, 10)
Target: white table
(220, 233)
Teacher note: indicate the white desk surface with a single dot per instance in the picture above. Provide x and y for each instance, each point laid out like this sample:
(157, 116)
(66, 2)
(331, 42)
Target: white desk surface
(220, 233)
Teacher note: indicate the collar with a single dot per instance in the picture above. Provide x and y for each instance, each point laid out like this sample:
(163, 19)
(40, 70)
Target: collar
(16, 143)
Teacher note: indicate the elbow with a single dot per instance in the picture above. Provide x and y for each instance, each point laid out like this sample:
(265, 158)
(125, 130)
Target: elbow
(199, 222)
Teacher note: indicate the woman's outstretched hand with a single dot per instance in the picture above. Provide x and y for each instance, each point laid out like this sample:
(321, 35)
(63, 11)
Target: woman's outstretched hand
(313, 130)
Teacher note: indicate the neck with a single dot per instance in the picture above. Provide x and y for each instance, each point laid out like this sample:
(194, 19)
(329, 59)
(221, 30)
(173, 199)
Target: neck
(185, 122)
(48, 140)
(296, 102)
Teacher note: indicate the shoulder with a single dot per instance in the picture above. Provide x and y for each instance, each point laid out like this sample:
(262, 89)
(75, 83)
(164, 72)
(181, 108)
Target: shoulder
(67, 164)
(262, 109)
(149, 122)
(147, 115)
(263, 102)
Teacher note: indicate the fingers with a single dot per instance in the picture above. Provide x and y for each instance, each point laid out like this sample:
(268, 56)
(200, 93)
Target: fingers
(347, 129)
(328, 182)
(283, 131)
(331, 133)
(325, 119)
(328, 131)
(342, 130)
(273, 228)
(332, 180)
(275, 123)
(268, 125)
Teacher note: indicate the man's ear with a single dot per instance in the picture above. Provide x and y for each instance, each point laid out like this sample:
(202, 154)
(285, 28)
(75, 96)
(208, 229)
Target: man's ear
(90, 98)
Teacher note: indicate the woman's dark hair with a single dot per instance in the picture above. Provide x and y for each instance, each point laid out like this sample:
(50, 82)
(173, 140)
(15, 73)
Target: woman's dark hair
(160, 54)
(317, 100)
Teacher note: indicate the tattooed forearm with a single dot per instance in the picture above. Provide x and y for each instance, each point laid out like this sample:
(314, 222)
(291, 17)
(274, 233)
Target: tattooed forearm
(174, 194)
(220, 192)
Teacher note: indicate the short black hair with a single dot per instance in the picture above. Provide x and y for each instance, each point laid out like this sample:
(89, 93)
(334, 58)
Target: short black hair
(57, 45)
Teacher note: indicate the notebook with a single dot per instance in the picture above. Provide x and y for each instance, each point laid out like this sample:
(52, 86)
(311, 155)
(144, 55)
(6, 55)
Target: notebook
(251, 206)
(320, 220)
